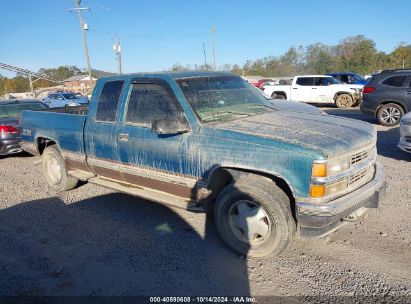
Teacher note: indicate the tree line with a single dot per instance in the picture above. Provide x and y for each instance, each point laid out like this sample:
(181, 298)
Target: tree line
(353, 54)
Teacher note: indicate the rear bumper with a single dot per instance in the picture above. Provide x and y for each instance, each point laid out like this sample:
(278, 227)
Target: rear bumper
(10, 146)
(319, 219)
(367, 110)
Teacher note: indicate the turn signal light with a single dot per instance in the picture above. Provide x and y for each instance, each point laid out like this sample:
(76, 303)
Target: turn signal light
(319, 170)
(317, 191)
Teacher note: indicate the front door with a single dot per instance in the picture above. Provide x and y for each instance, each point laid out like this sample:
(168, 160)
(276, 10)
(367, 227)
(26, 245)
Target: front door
(150, 159)
(322, 90)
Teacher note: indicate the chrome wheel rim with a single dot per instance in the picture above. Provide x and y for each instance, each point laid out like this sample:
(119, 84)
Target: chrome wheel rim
(54, 170)
(390, 115)
(249, 222)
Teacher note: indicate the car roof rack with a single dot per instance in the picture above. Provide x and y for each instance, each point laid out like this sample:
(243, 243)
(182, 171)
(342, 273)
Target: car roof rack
(396, 70)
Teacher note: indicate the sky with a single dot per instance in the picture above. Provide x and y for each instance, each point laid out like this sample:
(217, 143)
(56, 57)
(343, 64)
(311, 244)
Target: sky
(156, 34)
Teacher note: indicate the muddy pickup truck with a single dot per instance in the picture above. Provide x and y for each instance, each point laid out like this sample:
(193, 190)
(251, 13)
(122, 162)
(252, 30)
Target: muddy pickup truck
(210, 142)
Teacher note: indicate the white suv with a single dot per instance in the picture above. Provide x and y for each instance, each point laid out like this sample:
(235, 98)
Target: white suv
(317, 89)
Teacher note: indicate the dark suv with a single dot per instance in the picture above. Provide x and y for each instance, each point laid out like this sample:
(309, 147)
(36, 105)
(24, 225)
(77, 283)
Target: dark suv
(387, 96)
(9, 129)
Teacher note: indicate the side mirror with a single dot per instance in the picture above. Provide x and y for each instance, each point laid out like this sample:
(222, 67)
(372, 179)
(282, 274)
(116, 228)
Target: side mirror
(170, 125)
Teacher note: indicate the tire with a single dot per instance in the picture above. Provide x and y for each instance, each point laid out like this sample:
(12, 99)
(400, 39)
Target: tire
(344, 101)
(278, 96)
(55, 170)
(390, 114)
(262, 201)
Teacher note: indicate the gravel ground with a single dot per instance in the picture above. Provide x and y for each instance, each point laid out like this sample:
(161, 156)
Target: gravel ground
(94, 241)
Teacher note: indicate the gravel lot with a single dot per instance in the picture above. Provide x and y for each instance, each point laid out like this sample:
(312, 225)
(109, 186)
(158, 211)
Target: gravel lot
(93, 241)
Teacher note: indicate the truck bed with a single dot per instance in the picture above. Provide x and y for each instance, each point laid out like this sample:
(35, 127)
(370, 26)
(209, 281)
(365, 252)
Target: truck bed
(62, 125)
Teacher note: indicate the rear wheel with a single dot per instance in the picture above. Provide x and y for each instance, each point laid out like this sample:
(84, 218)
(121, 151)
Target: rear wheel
(278, 96)
(390, 114)
(344, 101)
(253, 217)
(55, 170)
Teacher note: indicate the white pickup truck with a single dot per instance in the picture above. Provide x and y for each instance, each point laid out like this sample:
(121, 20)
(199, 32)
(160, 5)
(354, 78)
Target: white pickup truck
(317, 89)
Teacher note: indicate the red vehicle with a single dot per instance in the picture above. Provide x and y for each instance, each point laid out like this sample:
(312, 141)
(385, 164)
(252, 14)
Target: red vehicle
(261, 81)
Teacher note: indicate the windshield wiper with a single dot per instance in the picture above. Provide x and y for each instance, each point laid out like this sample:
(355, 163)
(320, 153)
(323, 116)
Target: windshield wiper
(232, 112)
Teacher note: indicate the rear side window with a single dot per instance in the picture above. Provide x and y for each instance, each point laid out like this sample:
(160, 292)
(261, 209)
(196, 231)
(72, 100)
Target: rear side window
(108, 102)
(149, 102)
(305, 81)
(395, 81)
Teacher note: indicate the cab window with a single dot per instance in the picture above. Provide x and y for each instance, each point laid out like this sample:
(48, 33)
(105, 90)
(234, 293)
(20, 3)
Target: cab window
(108, 101)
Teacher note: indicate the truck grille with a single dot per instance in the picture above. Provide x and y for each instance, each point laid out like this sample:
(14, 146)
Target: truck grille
(360, 156)
(408, 139)
(360, 177)
(357, 176)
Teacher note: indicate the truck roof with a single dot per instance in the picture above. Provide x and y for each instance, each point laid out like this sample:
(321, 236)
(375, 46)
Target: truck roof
(173, 75)
(313, 76)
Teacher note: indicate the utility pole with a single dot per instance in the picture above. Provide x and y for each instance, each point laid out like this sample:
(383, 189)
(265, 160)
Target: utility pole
(84, 27)
(213, 42)
(117, 50)
(205, 57)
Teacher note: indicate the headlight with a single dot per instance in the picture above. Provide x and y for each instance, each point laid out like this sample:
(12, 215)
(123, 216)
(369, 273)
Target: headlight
(406, 122)
(324, 168)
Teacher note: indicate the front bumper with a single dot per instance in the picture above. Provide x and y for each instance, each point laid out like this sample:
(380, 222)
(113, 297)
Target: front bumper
(319, 219)
(10, 146)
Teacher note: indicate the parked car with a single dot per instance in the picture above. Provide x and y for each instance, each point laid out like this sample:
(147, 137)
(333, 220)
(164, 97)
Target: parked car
(318, 89)
(405, 133)
(208, 141)
(9, 129)
(65, 99)
(349, 77)
(388, 96)
(261, 82)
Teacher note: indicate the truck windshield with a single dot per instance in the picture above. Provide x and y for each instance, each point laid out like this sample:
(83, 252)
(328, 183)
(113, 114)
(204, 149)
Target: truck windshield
(223, 98)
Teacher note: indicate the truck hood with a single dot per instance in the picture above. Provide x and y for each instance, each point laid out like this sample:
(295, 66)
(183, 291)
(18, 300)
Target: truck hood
(328, 134)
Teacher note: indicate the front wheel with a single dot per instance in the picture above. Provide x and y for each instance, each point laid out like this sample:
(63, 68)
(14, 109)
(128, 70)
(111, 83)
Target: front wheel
(390, 114)
(253, 217)
(55, 170)
(344, 101)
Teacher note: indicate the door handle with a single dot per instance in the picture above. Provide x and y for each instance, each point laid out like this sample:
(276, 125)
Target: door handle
(313, 88)
(295, 88)
(123, 137)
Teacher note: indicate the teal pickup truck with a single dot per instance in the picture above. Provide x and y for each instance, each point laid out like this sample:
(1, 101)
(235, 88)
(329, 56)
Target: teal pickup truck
(210, 142)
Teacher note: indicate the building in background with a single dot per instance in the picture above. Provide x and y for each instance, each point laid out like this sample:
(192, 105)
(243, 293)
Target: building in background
(79, 84)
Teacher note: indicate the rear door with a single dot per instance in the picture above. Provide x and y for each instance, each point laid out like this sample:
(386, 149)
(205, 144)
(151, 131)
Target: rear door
(408, 93)
(101, 131)
(301, 90)
(396, 88)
